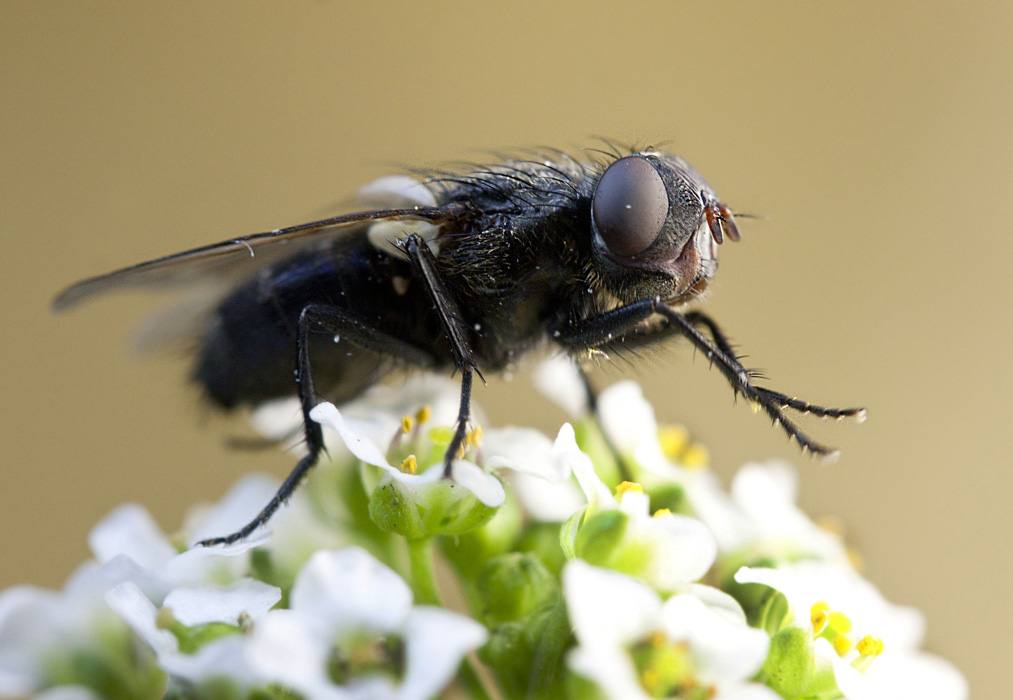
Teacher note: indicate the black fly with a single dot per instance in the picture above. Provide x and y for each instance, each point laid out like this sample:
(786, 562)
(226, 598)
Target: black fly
(459, 270)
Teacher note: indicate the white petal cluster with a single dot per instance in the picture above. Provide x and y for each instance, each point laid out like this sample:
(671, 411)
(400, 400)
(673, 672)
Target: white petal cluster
(704, 622)
(575, 585)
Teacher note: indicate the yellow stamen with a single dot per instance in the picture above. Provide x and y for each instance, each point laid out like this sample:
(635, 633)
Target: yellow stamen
(673, 439)
(407, 423)
(855, 557)
(755, 407)
(839, 622)
(409, 465)
(869, 646)
(423, 414)
(475, 436)
(662, 512)
(818, 614)
(695, 456)
(650, 679)
(842, 645)
(626, 486)
(657, 638)
(834, 526)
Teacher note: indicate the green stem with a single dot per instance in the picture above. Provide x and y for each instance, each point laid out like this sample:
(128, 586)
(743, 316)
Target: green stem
(420, 561)
(472, 681)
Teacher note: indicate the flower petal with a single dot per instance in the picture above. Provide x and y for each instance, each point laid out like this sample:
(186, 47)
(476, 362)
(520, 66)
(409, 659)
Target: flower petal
(350, 588)
(200, 605)
(632, 610)
(726, 652)
(282, 650)
(130, 530)
(485, 487)
(436, 641)
(364, 449)
(566, 450)
(558, 379)
(134, 607)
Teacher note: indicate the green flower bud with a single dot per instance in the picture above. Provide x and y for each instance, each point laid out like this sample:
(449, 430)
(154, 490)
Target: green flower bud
(513, 586)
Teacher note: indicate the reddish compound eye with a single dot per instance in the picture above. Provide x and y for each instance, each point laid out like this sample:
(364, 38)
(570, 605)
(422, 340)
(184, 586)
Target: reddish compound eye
(629, 206)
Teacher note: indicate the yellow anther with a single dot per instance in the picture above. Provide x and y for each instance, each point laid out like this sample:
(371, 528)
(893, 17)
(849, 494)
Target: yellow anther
(835, 526)
(673, 439)
(818, 614)
(475, 436)
(695, 456)
(423, 414)
(869, 646)
(407, 423)
(657, 638)
(650, 679)
(627, 486)
(662, 512)
(839, 622)
(755, 407)
(855, 557)
(409, 465)
(842, 644)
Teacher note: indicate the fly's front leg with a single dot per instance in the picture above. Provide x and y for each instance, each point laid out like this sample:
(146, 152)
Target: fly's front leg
(617, 328)
(332, 320)
(424, 265)
(773, 403)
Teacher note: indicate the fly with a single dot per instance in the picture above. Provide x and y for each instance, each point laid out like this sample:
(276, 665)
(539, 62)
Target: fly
(460, 271)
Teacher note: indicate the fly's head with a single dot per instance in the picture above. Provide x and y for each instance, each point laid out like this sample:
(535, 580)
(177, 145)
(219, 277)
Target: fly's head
(656, 226)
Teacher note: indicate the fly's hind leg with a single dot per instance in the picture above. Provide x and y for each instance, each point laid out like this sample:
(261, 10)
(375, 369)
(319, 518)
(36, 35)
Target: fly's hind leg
(334, 320)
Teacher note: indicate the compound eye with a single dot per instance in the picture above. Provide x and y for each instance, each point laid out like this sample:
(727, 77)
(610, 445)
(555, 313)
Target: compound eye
(629, 206)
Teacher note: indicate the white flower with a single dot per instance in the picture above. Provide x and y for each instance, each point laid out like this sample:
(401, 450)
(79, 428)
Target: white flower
(808, 583)
(761, 516)
(514, 447)
(635, 646)
(666, 550)
(352, 632)
(39, 627)
(871, 644)
(223, 657)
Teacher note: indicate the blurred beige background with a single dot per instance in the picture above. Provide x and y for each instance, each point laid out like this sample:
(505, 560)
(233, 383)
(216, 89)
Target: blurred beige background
(876, 140)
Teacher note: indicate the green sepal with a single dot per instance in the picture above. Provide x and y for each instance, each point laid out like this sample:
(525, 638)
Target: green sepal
(469, 552)
(671, 496)
(568, 533)
(416, 512)
(193, 638)
(600, 535)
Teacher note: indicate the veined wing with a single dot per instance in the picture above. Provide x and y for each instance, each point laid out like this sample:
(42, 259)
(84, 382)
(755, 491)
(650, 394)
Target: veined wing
(237, 256)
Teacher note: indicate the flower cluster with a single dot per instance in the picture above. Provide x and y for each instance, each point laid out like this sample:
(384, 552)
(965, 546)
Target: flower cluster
(576, 567)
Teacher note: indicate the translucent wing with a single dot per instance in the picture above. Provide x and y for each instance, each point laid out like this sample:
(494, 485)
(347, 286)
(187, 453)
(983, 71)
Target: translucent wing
(239, 256)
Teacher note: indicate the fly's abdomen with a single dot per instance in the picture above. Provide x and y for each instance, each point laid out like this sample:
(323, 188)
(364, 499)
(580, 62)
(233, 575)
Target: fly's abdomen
(248, 351)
